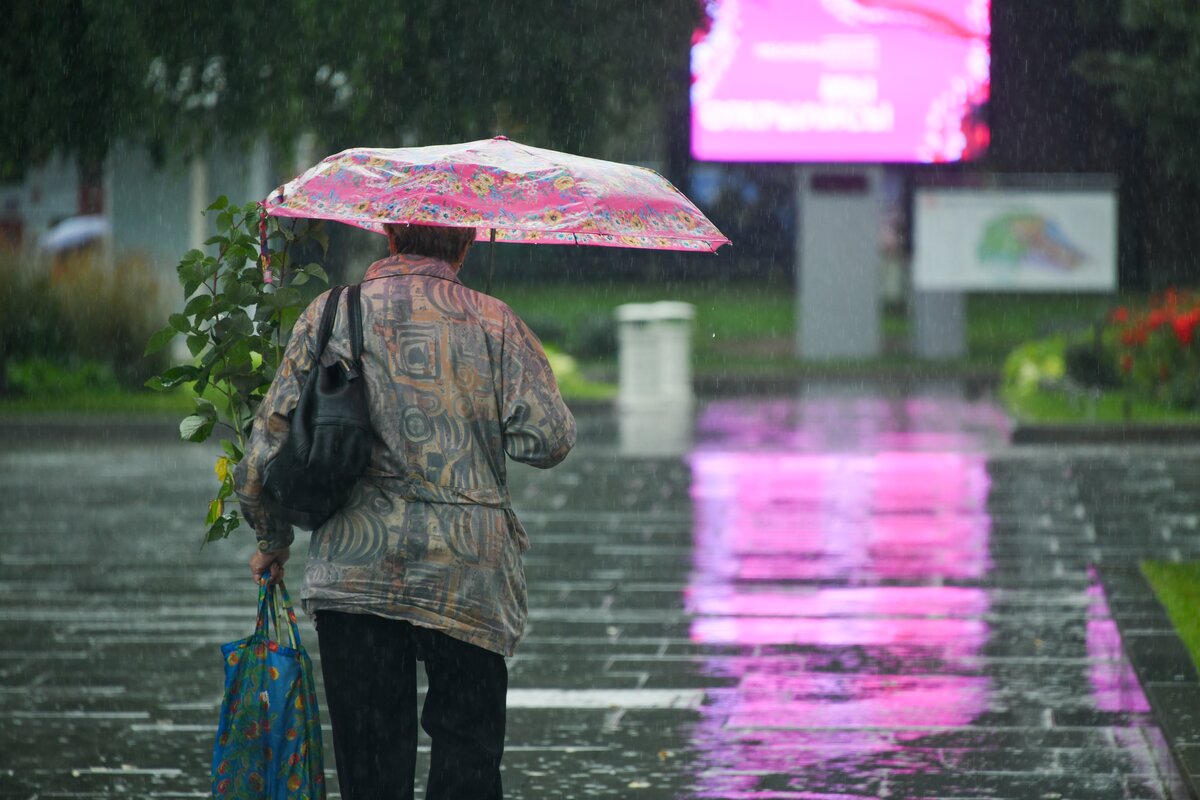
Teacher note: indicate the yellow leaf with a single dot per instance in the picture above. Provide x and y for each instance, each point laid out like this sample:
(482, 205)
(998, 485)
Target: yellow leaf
(222, 468)
(215, 509)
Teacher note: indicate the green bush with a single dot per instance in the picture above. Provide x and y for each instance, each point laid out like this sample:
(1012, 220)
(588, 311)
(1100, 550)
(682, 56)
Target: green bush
(596, 337)
(77, 314)
(41, 377)
(549, 328)
(1089, 363)
(31, 321)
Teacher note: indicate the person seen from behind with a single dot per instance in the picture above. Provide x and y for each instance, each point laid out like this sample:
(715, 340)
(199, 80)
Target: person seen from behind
(424, 563)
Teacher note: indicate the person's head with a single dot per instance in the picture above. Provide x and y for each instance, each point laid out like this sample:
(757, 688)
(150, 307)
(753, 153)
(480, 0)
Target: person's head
(433, 241)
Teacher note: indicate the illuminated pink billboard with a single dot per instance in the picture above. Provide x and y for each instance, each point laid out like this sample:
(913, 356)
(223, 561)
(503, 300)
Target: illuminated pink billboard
(841, 80)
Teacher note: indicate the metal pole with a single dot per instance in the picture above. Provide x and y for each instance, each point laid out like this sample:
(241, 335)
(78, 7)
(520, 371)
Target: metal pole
(487, 284)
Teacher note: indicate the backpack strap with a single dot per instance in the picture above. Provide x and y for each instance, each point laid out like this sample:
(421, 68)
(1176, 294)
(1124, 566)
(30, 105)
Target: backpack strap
(328, 315)
(356, 331)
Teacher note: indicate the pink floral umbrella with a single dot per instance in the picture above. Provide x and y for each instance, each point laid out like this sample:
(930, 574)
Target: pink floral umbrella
(511, 192)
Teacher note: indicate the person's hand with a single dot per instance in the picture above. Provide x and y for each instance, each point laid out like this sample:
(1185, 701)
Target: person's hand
(272, 562)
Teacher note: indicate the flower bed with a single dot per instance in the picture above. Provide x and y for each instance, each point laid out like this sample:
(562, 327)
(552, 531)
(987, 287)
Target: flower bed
(1156, 350)
(1139, 364)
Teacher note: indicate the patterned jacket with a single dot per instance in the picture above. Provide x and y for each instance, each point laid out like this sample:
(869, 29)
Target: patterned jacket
(455, 381)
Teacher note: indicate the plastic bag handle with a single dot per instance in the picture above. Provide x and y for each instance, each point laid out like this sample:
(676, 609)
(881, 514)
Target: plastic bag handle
(273, 603)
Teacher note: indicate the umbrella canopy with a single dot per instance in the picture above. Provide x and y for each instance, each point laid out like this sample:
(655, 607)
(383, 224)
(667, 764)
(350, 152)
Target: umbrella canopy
(75, 231)
(511, 192)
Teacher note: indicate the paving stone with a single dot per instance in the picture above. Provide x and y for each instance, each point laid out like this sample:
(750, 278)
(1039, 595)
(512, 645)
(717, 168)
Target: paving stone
(883, 622)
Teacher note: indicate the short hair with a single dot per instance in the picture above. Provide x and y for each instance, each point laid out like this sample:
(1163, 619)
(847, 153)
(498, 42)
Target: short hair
(433, 241)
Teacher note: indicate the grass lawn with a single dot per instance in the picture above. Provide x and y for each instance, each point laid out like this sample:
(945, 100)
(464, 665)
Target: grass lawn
(741, 329)
(1178, 589)
(750, 327)
(108, 402)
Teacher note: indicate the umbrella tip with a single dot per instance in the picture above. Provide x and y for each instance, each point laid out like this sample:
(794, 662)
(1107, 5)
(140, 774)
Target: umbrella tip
(500, 137)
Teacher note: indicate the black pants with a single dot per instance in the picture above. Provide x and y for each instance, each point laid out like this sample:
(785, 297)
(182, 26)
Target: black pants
(370, 670)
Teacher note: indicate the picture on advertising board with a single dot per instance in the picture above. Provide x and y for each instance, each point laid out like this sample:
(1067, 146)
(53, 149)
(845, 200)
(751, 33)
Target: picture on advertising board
(1014, 240)
(894, 81)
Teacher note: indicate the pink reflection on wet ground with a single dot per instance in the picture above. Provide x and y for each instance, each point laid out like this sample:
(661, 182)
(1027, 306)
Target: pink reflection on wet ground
(773, 516)
(849, 419)
(828, 569)
(1115, 686)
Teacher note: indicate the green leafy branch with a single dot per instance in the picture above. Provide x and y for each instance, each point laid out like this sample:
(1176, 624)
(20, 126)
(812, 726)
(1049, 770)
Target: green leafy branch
(235, 319)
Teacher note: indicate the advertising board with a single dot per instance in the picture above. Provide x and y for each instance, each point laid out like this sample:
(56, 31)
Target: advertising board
(864, 81)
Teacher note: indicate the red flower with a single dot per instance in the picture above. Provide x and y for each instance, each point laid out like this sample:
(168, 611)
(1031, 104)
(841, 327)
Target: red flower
(1185, 325)
(1127, 363)
(1157, 319)
(1134, 337)
(1120, 315)
(273, 646)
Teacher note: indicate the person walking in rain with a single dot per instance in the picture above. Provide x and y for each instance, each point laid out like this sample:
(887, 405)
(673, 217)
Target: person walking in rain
(424, 562)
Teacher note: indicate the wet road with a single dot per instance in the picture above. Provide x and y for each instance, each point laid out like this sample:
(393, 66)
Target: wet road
(833, 595)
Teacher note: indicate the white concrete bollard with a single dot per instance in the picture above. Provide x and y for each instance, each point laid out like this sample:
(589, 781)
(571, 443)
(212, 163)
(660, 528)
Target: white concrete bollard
(655, 399)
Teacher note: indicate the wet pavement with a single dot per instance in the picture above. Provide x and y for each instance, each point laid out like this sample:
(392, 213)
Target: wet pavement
(842, 593)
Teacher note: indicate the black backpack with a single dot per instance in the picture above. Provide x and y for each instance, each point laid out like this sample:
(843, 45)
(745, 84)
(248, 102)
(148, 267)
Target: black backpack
(329, 444)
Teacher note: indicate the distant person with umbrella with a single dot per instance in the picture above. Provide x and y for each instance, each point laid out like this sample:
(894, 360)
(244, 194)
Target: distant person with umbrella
(424, 561)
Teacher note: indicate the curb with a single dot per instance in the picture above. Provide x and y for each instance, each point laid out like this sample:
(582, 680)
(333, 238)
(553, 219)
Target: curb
(1083, 433)
(1162, 664)
(24, 428)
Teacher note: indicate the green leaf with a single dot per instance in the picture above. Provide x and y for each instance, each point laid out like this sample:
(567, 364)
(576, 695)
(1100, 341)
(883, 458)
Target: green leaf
(221, 527)
(288, 317)
(300, 279)
(189, 258)
(195, 428)
(180, 323)
(196, 343)
(177, 375)
(317, 272)
(224, 221)
(160, 339)
(155, 383)
(191, 274)
(284, 298)
(245, 383)
(219, 204)
(231, 450)
(225, 490)
(321, 237)
(240, 254)
(205, 409)
(190, 284)
(235, 324)
(197, 304)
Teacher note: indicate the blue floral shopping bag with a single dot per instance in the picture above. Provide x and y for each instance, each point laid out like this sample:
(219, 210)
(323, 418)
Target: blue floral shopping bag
(269, 738)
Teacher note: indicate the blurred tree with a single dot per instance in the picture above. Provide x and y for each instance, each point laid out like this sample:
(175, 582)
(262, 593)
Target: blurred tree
(1143, 53)
(1154, 75)
(62, 81)
(79, 75)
